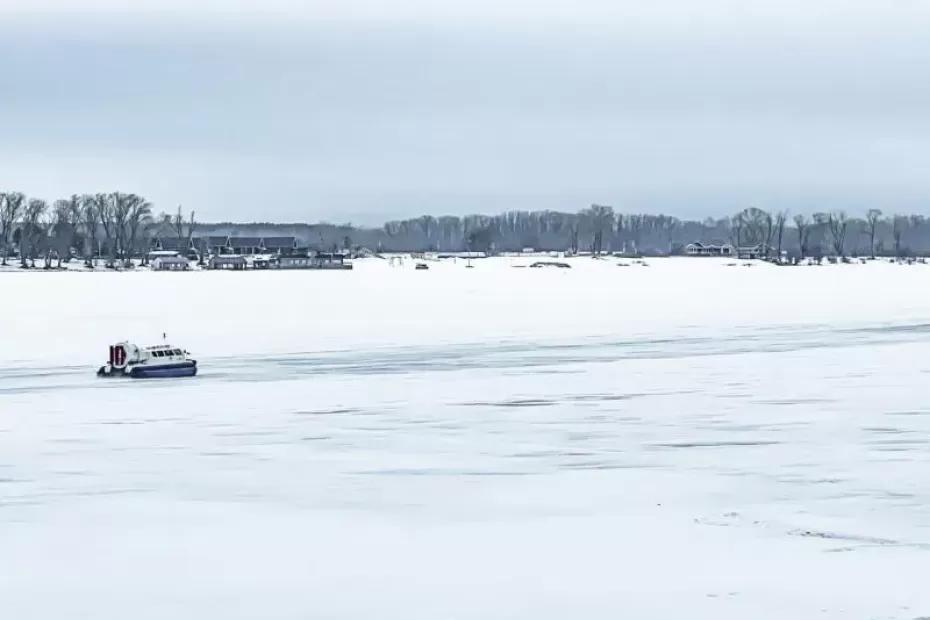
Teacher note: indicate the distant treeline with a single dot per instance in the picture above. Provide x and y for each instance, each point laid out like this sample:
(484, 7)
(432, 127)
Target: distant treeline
(117, 226)
(600, 229)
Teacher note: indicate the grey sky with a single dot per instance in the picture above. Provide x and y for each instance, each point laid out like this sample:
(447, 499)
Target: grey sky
(362, 110)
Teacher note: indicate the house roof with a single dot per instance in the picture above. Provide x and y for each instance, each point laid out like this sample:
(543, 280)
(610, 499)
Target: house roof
(171, 259)
(698, 244)
(214, 241)
(172, 243)
(275, 243)
(245, 242)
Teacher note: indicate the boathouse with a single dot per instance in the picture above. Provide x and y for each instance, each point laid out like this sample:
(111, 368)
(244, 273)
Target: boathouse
(170, 263)
(232, 262)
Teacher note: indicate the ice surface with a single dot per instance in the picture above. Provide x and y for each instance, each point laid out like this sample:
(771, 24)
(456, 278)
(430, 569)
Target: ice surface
(683, 440)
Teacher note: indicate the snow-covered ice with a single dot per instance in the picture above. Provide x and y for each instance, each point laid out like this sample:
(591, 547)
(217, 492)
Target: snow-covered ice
(684, 440)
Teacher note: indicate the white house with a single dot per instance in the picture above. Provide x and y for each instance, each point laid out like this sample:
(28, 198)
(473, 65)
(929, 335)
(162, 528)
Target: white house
(701, 249)
(170, 263)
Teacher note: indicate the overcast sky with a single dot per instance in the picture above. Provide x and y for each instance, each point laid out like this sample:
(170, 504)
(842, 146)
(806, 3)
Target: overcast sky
(366, 110)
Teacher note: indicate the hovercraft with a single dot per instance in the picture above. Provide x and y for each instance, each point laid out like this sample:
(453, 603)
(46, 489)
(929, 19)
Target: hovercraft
(159, 361)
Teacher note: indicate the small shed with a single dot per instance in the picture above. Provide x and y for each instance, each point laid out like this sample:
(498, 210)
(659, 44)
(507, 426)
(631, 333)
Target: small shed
(331, 260)
(228, 261)
(170, 263)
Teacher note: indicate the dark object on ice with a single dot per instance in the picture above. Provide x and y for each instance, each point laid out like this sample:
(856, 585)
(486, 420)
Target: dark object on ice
(421, 266)
(549, 263)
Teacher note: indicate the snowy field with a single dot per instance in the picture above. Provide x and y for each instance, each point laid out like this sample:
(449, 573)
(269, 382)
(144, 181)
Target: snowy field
(686, 439)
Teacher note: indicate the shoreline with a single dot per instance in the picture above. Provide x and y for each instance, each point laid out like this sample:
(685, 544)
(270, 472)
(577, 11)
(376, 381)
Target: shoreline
(547, 262)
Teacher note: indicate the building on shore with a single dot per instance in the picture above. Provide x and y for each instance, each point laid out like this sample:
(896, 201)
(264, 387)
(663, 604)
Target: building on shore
(331, 260)
(245, 246)
(757, 251)
(294, 262)
(264, 262)
(170, 263)
(212, 245)
(180, 247)
(462, 255)
(232, 262)
(282, 246)
(161, 254)
(708, 249)
(320, 260)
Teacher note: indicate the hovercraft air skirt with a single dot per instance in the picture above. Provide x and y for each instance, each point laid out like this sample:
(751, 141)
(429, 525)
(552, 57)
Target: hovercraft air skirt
(187, 369)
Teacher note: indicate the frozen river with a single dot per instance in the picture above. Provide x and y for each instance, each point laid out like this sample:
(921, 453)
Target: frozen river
(684, 440)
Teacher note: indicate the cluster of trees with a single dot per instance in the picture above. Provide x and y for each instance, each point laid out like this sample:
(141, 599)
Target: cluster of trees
(113, 225)
(599, 228)
(832, 233)
(596, 229)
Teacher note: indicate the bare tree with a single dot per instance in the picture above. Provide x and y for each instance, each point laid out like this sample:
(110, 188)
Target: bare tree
(89, 220)
(802, 226)
(573, 238)
(872, 217)
(10, 208)
(139, 216)
(820, 226)
(4, 227)
(32, 231)
(754, 227)
(47, 227)
(780, 219)
(671, 225)
(191, 225)
(66, 215)
(104, 210)
(767, 227)
(179, 225)
(758, 226)
(737, 223)
(600, 218)
(899, 224)
(119, 205)
(838, 224)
